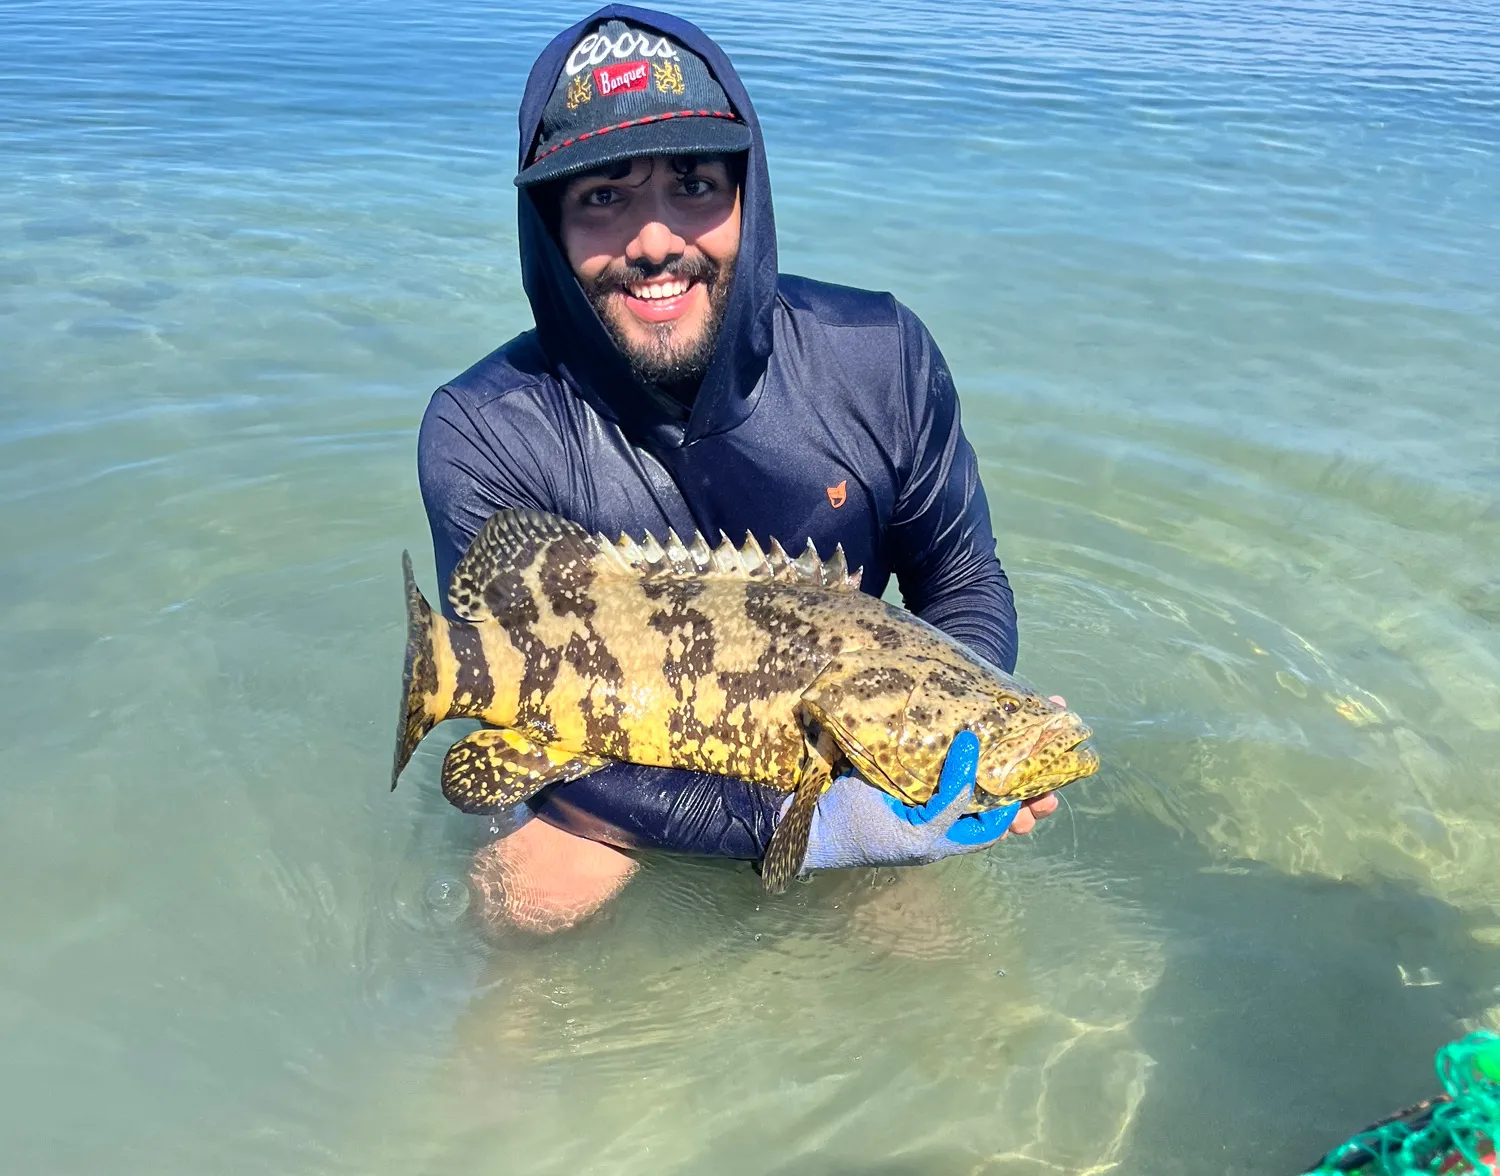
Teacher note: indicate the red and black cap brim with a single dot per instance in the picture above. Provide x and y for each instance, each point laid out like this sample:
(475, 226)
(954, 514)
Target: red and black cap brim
(686, 132)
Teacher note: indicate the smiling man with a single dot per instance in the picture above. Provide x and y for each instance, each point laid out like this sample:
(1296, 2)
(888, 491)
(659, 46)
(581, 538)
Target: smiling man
(674, 379)
(653, 241)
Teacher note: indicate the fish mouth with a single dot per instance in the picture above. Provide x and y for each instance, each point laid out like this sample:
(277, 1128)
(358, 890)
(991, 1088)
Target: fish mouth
(1074, 750)
(1086, 758)
(1064, 733)
(1060, 755)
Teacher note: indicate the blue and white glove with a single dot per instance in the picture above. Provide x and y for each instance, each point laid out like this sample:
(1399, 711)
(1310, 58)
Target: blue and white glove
(857, 824)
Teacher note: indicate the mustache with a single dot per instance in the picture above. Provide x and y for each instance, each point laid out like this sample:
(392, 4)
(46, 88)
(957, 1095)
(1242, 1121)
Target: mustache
(618, 276)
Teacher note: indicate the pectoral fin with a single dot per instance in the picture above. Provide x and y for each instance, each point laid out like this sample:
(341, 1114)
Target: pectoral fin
(855, 699)
(788, 848)
(495, 768)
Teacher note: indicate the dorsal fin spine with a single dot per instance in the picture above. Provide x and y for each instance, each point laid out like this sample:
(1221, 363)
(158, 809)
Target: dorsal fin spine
(694, 557)
(512, 538)
(777, 559)
(753, 559)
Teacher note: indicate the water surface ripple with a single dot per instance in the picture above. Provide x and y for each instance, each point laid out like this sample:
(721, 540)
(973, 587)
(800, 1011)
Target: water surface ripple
(1220, 286)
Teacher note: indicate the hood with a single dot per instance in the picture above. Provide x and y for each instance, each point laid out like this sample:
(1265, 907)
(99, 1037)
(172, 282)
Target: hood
(578, 347)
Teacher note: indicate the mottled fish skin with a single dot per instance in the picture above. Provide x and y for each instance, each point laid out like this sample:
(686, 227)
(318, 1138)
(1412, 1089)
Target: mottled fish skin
(721, 660)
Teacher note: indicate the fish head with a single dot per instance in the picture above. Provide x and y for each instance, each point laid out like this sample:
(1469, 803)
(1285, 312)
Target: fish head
(1028, 745)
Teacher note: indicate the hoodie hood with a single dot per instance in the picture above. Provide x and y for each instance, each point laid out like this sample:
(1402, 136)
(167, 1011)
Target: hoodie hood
(576, 343)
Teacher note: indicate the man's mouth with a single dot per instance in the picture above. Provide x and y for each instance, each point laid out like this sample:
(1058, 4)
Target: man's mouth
(660, 300)
(670, 288)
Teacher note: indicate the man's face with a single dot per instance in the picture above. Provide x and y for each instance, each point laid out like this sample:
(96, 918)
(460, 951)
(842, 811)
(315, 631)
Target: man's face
(653, 242)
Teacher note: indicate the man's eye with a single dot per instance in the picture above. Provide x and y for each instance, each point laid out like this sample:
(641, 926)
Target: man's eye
(697, 186)
(600, 197)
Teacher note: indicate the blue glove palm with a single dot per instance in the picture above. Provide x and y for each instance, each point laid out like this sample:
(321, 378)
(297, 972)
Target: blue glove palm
(857, 824)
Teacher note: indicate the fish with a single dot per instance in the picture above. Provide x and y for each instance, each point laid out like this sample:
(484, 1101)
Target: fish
(577, 651)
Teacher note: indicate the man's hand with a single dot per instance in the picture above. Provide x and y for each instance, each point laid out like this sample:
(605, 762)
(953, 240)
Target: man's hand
(541, 879)
(859, 825)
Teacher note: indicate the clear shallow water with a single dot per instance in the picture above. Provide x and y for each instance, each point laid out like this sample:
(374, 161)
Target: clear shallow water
(1220, 287)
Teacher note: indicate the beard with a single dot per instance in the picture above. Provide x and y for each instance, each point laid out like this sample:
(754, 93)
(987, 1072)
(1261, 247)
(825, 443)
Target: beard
(665, 360)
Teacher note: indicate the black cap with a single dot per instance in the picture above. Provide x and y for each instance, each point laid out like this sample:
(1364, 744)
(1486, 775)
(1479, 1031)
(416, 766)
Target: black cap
(626, 91)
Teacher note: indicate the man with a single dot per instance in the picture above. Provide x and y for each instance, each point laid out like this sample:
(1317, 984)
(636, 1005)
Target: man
(675, 379)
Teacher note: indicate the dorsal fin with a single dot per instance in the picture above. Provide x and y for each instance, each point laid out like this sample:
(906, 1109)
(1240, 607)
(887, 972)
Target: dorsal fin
(695, 559)
(485, 584)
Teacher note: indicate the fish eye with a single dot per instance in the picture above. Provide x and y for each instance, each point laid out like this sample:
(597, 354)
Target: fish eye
(1010, 706)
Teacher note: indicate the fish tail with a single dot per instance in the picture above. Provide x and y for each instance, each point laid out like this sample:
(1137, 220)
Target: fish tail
(419, 676)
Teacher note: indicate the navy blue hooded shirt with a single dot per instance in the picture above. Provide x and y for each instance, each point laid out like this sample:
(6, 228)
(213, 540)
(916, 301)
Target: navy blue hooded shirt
(827, 412)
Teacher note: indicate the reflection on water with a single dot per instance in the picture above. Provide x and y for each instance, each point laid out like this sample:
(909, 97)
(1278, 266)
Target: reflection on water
(1218, 284)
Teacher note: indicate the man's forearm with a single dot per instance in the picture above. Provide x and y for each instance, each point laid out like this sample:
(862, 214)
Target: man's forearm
(639, 807)
(981, 614)
(942, 538)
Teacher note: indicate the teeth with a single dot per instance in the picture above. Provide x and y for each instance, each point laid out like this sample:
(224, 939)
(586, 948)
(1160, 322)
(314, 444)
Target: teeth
(653, 290)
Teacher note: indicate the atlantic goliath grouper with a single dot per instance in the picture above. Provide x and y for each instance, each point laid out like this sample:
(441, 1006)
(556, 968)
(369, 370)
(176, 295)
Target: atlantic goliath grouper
(727, 660)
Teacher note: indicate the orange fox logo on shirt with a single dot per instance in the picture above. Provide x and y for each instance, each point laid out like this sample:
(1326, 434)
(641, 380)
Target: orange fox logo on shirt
(838, 495)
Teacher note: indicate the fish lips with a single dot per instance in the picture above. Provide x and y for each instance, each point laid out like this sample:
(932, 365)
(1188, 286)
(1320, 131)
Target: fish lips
(1067, 732)
(1059, 755)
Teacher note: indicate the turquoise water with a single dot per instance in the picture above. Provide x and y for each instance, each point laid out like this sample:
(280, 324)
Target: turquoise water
(1220, 285)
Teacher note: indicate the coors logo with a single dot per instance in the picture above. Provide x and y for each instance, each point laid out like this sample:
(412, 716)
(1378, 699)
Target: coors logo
(617, 79)
(597, 48)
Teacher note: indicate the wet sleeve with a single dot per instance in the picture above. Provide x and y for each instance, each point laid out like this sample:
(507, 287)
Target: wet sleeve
(942, 542)
(468, 468)
(638, 807)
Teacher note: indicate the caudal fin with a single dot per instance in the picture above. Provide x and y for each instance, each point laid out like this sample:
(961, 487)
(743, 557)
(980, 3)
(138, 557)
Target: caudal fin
(419, 679)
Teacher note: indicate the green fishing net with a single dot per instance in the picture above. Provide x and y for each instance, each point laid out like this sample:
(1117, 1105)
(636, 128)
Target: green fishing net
(1452, 1135)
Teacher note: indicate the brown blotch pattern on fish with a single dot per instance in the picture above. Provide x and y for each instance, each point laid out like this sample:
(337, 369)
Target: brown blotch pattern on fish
(474, 689)
(565, 578)
(603, 709)
(883, 635)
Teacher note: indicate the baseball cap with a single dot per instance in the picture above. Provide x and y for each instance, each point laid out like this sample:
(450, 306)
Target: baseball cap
(626, 91)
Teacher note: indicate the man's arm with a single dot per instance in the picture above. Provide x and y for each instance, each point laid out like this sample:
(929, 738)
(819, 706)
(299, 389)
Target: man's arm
(943, 547)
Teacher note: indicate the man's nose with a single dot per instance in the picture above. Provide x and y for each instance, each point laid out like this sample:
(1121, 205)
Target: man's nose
(654, 244)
